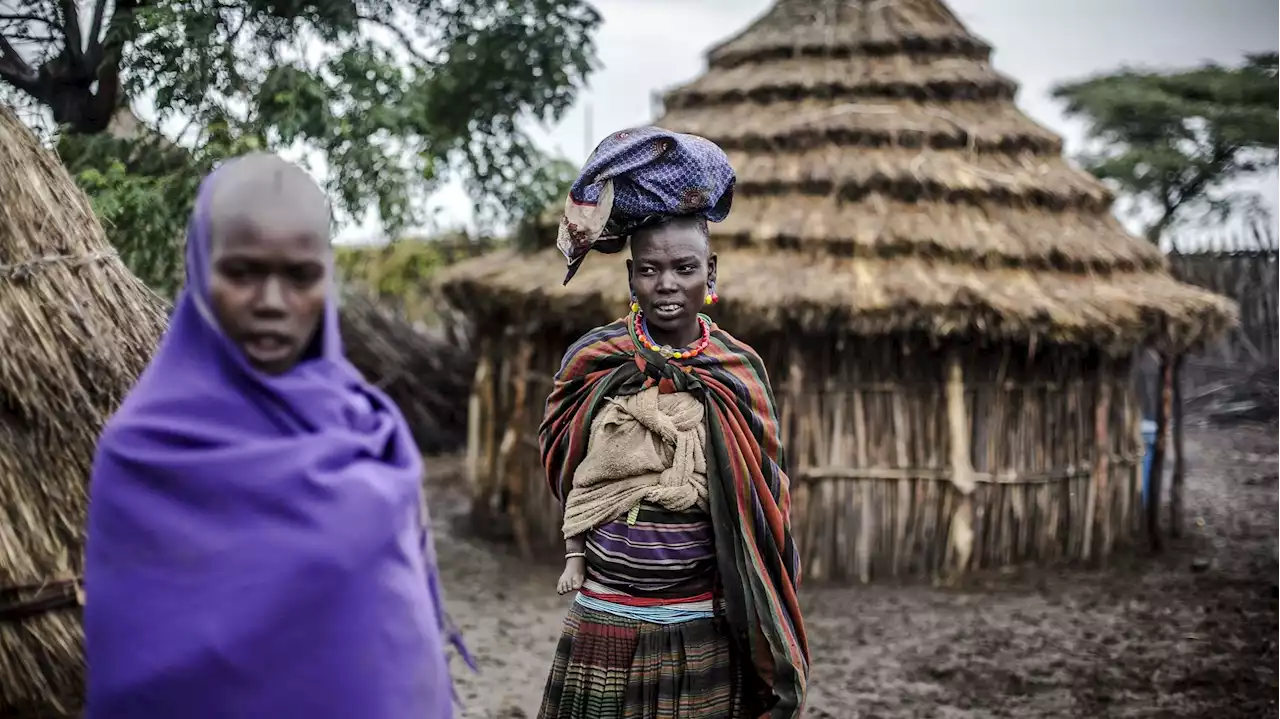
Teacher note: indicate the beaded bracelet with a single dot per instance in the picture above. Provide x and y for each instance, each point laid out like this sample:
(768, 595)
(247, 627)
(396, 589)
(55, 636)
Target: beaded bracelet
(575, 555)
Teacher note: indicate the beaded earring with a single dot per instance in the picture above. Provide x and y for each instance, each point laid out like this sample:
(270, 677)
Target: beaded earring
(711, 297)
(635, 304)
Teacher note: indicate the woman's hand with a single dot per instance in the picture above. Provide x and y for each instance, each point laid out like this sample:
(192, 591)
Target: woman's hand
(575, 571)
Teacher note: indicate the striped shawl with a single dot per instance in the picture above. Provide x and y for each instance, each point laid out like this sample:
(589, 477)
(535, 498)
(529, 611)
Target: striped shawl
(750, 502)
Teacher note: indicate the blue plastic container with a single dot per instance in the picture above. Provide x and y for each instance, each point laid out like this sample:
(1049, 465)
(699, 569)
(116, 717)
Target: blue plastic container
(1148, 446)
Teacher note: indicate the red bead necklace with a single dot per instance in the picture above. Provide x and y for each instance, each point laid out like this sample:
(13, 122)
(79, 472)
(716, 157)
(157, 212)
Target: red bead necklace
(665, 350)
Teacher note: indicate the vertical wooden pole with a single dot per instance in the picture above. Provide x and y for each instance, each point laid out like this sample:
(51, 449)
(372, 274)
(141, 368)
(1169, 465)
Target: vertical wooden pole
(1099, 492)
(841, 500)
(801, 460)
(961, 538)
(489, 399)
(862, 552)
(1156, 487)
(902, 433)
(485, 417)
(1123, 475)
(1179, 466)
(475, 420)
(512, 477)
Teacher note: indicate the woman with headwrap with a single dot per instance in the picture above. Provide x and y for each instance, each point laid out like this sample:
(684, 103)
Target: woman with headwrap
(661, 439)
(257, 542)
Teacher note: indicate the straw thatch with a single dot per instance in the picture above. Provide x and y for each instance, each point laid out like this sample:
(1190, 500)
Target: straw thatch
(841, 28)
(76, 328)
(873, 296)
(426, 371)
(888, 182)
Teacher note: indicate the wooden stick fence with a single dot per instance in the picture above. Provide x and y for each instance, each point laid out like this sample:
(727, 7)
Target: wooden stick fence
(1242, 266)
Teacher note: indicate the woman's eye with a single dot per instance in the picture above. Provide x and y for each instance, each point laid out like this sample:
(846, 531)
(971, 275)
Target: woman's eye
(304, 276)
(236, 273)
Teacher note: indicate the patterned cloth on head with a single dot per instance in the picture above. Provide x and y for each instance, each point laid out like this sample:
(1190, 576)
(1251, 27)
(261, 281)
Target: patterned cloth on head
(635, 177)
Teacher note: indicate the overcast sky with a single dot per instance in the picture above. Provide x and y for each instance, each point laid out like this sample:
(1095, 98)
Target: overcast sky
(646, 46)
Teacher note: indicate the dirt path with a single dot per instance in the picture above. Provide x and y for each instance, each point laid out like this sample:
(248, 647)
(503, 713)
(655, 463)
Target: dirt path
(1192, 634)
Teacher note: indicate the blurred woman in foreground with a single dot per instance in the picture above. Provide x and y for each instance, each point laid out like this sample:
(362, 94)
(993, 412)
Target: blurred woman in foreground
(257, 542)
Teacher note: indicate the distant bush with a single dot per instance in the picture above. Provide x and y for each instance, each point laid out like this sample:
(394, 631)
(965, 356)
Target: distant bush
(400, 273)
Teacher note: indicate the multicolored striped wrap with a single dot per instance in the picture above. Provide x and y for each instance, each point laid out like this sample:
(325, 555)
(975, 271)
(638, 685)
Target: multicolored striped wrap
(750, 501)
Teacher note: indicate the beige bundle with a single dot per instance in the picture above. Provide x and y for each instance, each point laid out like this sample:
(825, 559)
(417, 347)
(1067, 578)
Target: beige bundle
(645, 447)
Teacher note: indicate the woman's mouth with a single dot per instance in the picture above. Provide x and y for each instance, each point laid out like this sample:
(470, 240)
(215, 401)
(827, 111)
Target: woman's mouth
(667, 310)
(268, 347)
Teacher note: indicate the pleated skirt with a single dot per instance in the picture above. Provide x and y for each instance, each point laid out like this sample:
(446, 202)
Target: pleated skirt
(611, 667)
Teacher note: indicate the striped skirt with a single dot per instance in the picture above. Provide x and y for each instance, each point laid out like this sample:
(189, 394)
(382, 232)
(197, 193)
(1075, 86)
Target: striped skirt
(611, 667)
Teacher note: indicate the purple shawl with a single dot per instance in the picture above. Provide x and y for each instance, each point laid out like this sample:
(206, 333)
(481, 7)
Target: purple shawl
(256, 544)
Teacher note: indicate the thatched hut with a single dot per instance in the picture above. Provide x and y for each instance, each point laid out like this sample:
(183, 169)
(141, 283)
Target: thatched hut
(947, 308)
(76, 328)
(425, 370)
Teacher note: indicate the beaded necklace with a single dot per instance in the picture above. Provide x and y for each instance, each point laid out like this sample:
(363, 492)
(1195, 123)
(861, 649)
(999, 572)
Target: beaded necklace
(667, 351)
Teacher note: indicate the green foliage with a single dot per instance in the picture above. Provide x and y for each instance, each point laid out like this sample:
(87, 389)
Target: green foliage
(139, 221)
(548, 187)
(1176, 142)
(394, 95)
(399, 273)
(142, 191)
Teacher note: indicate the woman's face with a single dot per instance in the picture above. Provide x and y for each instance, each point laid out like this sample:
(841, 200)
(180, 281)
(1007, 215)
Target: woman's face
(268, 284)
(670, 268)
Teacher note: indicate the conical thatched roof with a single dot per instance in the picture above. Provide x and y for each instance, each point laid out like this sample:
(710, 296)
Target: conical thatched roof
(887, 183)
(76, 328)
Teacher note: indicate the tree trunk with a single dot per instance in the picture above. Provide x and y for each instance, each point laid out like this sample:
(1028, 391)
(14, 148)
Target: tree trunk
(76, 106)
(81, 84)
(1156, 488)
(1176, 488)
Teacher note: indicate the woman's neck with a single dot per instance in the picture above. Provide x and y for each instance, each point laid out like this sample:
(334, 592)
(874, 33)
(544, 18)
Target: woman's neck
(675, 339)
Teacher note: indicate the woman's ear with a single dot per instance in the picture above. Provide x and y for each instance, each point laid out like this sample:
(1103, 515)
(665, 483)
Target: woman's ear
(711, 269)
(630, 279)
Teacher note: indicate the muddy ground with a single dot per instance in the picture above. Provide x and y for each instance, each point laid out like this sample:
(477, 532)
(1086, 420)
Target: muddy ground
(1191, 633)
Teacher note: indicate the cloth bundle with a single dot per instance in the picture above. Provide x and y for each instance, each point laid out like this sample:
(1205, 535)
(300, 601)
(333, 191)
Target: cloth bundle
(643, 447)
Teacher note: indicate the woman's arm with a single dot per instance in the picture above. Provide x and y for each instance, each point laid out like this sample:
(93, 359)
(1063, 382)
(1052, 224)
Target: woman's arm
(575, 564)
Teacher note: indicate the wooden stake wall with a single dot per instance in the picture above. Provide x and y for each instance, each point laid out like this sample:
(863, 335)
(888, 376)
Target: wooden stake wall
(905, 461)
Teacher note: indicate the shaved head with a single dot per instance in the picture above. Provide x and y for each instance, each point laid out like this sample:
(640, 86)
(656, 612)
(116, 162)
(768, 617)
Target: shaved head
(270, 258)
(264, 188)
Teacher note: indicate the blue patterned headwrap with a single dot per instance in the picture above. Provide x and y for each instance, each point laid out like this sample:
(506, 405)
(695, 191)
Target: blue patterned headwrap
(639, 177)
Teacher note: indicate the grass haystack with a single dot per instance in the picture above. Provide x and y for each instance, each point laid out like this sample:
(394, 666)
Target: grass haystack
(946, 307)
(425, 371)
(76, 328)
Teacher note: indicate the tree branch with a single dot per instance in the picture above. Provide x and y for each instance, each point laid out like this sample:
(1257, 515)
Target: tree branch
(71, 31)
(1188, 192)
(399, 33)
(106, 65)
(15, 70)
(10, 17)
(94, 50)
(27, 38)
